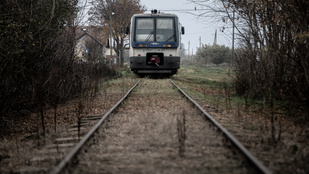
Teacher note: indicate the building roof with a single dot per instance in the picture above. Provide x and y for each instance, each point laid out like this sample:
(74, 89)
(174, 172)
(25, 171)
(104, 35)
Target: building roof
(95, 32)
(87, 34)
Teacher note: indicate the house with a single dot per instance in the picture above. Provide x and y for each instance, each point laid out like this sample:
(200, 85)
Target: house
(90, 45)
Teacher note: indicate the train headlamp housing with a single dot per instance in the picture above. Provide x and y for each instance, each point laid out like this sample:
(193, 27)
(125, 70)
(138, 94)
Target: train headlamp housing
(168, 45)
(141, 45)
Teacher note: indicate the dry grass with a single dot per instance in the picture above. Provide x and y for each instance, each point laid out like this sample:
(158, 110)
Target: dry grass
(280, 144)
(275, 136)
(23, 140)
(143, 137)
(149, 141)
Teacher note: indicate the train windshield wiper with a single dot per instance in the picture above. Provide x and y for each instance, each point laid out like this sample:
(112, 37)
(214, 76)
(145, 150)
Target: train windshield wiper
(149, 36)
(170, 37)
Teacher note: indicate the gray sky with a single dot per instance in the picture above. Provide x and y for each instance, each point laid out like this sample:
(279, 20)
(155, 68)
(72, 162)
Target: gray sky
(194, 27)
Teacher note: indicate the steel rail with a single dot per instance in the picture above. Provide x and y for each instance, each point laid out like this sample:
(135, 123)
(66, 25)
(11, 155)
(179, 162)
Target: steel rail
(61, 166)
(258, 165)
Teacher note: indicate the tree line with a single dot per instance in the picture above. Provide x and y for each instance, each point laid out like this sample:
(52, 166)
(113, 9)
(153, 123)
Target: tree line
(213, 54)
(272, 57)
(38, 66)
(115, 16)
(273, 61)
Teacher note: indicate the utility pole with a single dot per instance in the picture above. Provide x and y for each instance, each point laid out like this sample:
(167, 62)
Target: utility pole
(233, 36)
(200, 42)
(189, 50)
(215, 39)
(110, 38)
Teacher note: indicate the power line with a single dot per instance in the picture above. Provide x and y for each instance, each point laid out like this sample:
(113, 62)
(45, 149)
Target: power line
(182, 10)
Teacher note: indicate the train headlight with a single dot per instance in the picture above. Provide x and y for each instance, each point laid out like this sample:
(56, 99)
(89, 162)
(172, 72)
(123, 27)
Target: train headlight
(167, 45)
(141, 45)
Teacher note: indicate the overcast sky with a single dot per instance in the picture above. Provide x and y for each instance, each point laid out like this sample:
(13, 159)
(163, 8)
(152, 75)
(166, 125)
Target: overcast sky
(194, 27)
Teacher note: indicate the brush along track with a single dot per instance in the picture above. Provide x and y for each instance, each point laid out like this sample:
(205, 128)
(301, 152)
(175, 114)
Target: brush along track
(158, 131)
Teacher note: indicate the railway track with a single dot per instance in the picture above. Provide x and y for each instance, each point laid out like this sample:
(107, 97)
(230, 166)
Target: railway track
(158, 131)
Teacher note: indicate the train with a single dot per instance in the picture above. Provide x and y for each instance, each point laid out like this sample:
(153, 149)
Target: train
(155, 43)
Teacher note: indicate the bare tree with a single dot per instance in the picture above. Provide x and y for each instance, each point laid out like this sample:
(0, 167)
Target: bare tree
(273, 52)
(115, 16)
(274, 61)
(38, 65)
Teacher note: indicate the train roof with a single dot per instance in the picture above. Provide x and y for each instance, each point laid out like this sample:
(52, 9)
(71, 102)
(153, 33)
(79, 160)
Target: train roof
(157, 14)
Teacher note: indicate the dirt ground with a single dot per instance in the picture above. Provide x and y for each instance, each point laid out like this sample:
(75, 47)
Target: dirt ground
(22, 139)
(144, 136)
(280, 145)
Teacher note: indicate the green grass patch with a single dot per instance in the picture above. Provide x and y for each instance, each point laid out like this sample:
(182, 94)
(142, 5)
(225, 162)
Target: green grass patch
(210, 84)
(210, 76)
(214, 85)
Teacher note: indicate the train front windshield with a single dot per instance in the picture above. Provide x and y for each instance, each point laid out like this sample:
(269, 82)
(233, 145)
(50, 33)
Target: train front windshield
(155, 30)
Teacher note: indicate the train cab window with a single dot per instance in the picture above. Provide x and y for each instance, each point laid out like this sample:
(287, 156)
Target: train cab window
(144, 30)
(165, 31)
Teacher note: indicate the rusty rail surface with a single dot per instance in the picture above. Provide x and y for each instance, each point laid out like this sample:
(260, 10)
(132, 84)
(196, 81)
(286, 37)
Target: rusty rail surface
(61, 166)
(254, 161)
